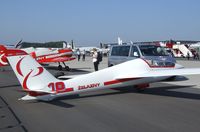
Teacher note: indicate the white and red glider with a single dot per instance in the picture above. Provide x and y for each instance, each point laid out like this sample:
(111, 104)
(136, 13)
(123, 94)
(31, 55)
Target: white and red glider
(41, 85)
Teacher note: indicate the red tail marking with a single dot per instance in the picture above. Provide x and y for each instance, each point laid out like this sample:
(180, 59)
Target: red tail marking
(18, 67)
(25, 80)
(27, 76)
(41, 69)
(15, 52)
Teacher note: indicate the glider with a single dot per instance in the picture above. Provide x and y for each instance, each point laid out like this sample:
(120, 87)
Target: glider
(41, 85)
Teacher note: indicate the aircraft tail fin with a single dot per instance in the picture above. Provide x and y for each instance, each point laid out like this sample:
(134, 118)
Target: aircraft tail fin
(19, 44)
(31, 75)
(3, 59)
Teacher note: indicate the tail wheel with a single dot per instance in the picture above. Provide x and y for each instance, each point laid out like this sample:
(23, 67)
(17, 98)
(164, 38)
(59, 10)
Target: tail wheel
(59, 67)
(67, 68)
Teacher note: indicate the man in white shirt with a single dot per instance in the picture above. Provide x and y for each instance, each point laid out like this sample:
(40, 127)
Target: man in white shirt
(94, 59)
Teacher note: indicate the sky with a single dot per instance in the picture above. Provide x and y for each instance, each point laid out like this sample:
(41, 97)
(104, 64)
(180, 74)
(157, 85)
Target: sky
(89, 22)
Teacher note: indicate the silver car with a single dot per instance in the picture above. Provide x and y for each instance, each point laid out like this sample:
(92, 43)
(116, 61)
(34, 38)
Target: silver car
(154, 54)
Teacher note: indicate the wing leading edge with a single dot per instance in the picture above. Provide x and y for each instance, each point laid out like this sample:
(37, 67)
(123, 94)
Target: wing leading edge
(162, 73)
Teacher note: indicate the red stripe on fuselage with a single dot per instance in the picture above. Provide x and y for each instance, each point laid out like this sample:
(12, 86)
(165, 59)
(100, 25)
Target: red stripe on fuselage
(35, 94)
(119, 81)
(66, 90)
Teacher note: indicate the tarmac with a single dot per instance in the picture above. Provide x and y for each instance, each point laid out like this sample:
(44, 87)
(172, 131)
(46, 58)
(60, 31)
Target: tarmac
(165, 106)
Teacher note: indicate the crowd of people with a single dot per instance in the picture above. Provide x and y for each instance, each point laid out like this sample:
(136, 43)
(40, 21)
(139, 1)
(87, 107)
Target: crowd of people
(78, 52)
(195, 55)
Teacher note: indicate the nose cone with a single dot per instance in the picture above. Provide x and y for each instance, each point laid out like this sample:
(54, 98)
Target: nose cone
(178, 66)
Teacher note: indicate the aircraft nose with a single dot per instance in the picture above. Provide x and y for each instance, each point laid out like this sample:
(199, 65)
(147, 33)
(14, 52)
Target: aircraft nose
(178, 66)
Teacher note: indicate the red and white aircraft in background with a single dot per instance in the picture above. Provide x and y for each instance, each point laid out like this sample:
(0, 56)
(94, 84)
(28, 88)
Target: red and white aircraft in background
(41, 85)
(42, 55)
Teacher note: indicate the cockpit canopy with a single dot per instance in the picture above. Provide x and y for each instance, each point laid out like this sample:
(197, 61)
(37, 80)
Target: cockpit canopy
(152, 50)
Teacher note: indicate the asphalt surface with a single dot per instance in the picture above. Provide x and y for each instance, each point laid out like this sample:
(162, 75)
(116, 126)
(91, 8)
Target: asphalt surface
(165, 106)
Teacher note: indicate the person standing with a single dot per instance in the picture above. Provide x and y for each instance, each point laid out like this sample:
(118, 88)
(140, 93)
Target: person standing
(188, 55)
(83, 59)
(94, 59)
(79, 54)
(197, 55)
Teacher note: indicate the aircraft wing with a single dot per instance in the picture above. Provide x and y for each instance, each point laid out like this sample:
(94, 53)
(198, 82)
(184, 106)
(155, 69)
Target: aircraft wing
(58, 59)
(68, 77)
(162, 73)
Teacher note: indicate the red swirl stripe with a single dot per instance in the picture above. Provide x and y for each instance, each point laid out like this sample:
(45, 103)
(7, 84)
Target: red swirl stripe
(18, 67)
(25, 80)
(41, 69)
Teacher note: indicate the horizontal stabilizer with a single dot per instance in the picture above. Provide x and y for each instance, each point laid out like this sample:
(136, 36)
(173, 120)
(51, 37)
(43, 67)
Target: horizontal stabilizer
(28, 97)
(36, 91)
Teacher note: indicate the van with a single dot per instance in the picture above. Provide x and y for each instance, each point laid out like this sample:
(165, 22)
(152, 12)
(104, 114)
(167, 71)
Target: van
(152, 53)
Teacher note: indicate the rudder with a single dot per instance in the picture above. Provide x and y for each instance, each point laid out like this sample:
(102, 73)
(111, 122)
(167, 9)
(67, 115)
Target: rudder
(31, 75)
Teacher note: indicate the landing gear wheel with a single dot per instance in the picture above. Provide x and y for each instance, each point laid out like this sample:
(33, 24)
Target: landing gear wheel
(67, 68)
(59, 67)
(140, 90)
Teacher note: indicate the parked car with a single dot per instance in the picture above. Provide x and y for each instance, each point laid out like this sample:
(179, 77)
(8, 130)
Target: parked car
(154, 54)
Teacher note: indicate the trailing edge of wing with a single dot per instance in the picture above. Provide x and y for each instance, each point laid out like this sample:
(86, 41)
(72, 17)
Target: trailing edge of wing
(162, 73)
(68, 77)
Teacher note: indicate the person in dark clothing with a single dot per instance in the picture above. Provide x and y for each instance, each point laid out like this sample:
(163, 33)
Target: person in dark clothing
(188, 55)
(83, 59)
(79, 54)
(197, 55)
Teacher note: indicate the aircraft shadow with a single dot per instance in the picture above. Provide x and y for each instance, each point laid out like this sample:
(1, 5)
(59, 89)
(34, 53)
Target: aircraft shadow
(54, 102)
(158, 91)
(60, 104)
(9, 86)
(176, 79)
(166, 91)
